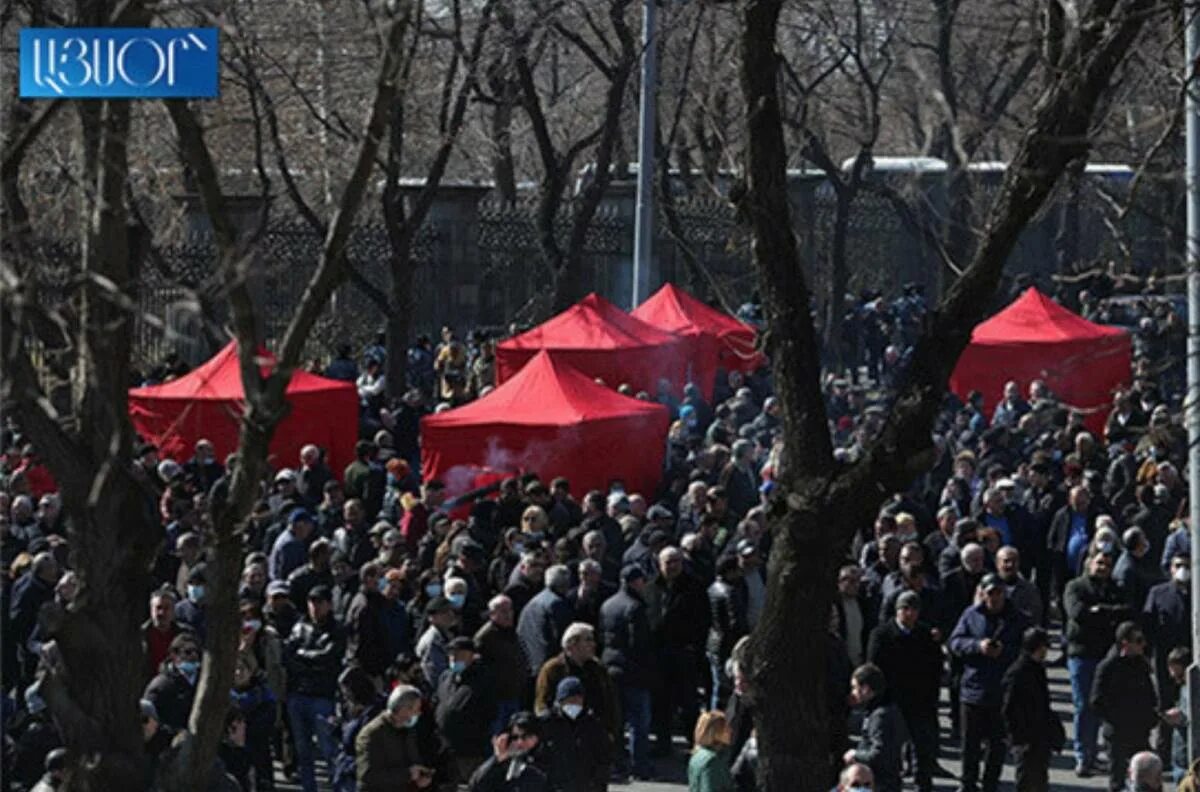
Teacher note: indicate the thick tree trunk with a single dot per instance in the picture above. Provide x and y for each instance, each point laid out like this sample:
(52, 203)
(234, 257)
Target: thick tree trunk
(399, 322)
(788, 654)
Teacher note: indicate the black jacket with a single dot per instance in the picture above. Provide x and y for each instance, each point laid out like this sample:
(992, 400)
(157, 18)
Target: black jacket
(1123, 695)
(1093, 609)
(880, 744)
(541, 627)
(727, 608)
(1028, 718)
(911, 663)
(172, 696)
(578, 752)
(678, 612)
(492, 776)
(366, 635)
(627, 644)
(313, 657)
(1167, 618)
(466, 707)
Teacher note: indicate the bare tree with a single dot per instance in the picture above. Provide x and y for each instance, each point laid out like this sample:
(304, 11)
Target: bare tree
(814, 519)
(92, 672)
(600, 34)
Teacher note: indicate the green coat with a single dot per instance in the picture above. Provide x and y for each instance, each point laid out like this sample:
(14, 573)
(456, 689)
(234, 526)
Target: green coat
(708, 771)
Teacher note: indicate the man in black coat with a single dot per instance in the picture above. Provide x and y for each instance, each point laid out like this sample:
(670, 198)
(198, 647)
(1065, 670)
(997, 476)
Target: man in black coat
(727, 607)
(542, 623)
(677, 605)
(1123, 697)
(905, 651)
(366, 632)
(629, 658)
(466, 706)
(1167, 620)
(883, 729)
(1034, 731)
(173, 690)
(574, 742)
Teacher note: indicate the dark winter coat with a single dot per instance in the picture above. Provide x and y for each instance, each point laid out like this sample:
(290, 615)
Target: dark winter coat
(1093, 607)
(541, 626)
(466, 707)
(911, 663)
(578, 753)
(880, 744)
(313, 657)
(172, 696)
(1028, 719)
(982, 675)
(1123, 695)
(628, 652)
(500, 649)
(383, 754)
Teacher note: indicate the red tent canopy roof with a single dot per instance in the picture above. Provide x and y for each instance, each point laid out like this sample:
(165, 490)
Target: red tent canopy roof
(220, 379)
(593, 323)
(544, 392)
(671, 308)
(1032, 318)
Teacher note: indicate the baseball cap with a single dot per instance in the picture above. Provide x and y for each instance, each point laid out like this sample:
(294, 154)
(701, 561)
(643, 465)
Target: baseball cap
(990, 581)
(571, 686)
(632, 572)
(287, 474)
(461, 644)
(278, 587)
(320, 593)
(297, 515)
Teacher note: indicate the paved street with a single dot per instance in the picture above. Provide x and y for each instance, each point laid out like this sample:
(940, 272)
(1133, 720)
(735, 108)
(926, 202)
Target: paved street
(1062, 776)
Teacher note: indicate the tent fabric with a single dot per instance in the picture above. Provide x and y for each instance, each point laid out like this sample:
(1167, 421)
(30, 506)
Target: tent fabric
(207, 402)
(553, 420)
(600, 340)
(1036, 338)
(718, 339)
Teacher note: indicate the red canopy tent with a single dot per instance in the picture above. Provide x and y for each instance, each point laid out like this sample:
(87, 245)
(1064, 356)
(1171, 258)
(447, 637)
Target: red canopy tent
(1036, 338)
(718, 339)
(555, 421)
(206, 403)
(600, 340)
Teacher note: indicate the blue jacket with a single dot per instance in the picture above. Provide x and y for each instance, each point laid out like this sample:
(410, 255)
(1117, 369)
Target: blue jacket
(982, 675)
(287, 555)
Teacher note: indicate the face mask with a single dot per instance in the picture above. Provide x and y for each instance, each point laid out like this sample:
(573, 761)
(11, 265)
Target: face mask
(457, 666)
(195, 593)
(858, 789)
(518, 547)
(382, 586)
(456, 600)
(1182, 575)
(433, 589)
(910, 537)
(572, 711)
(411, 722)
(189, 668)
(253, 625)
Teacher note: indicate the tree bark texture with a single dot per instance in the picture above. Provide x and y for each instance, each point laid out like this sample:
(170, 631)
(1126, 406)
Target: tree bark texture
(814, 518)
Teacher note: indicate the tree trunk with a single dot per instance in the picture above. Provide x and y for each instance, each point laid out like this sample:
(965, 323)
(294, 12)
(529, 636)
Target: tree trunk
(835, 295)
(788, 656)
(399, 320)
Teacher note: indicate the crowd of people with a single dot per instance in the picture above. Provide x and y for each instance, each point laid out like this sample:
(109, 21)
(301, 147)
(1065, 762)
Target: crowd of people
(547, 639)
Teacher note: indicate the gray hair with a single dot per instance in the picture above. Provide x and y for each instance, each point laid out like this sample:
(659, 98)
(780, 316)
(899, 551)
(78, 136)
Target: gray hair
(590, 565)
(457, 582)
(741, 447)
(1145, 770)
(497, 601)
(972, 549)
(594, 535)
(576, 632)
(402, 696)
(558, 578)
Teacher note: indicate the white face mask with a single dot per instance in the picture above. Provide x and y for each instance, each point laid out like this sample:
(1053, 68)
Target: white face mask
(572, 711)
(1182, 575)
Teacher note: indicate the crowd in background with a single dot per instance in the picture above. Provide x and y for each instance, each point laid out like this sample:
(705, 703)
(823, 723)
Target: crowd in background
(560, 640)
